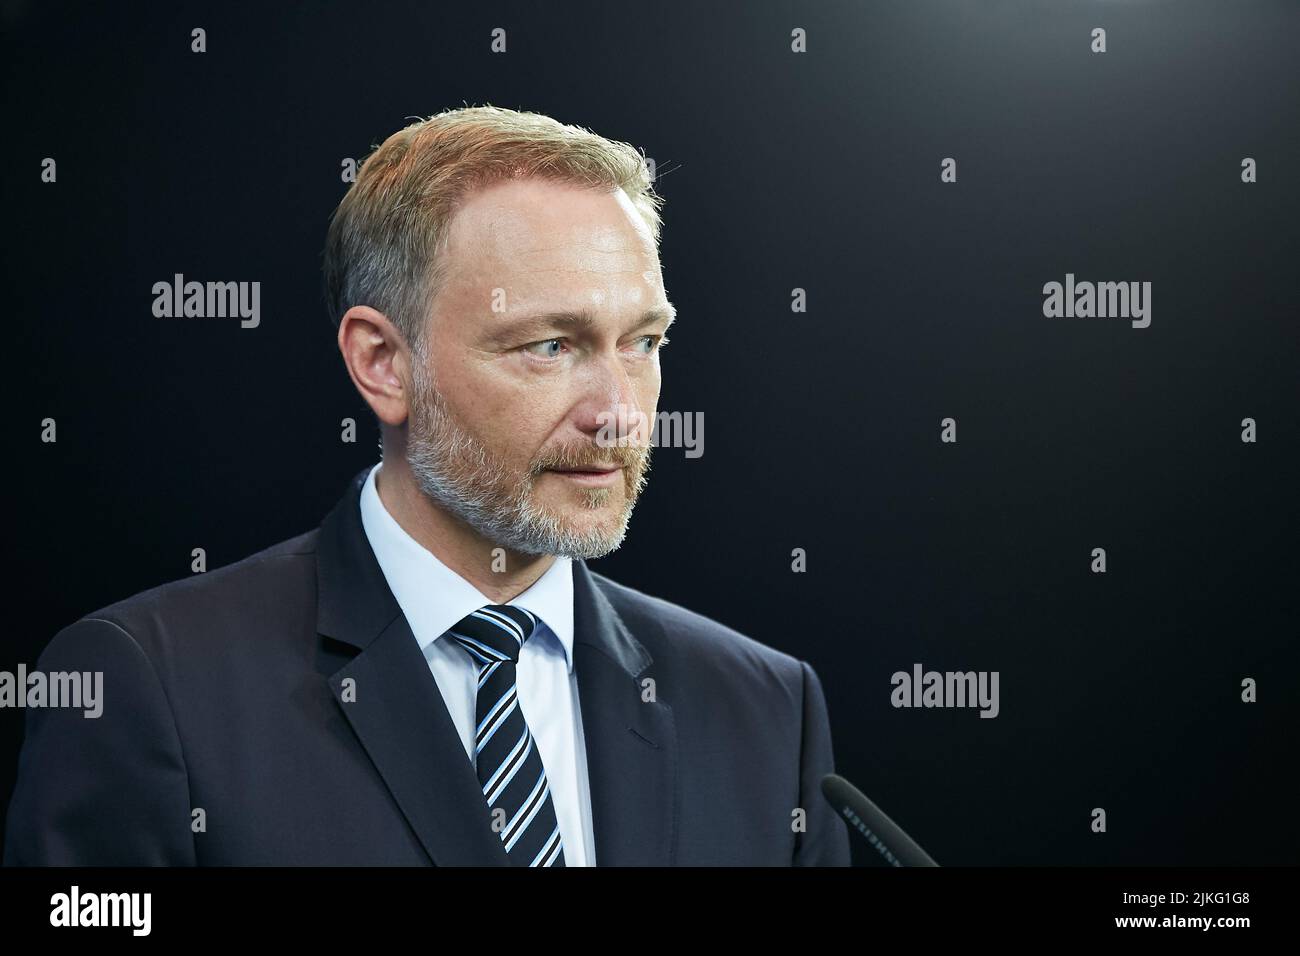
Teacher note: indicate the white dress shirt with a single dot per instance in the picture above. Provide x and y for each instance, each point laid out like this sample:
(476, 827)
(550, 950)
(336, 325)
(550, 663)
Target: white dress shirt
(433, 597)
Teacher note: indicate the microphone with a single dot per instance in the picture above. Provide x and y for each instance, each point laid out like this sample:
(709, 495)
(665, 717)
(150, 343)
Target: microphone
(862, 815)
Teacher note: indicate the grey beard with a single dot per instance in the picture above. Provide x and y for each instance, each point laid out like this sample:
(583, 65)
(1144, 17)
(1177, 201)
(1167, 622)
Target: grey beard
(453, 469)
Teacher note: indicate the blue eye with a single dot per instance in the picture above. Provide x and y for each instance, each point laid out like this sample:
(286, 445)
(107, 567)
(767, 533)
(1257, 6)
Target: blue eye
(546, 342)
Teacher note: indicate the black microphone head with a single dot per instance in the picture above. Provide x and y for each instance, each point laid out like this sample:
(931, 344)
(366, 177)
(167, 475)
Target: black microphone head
(884, 835)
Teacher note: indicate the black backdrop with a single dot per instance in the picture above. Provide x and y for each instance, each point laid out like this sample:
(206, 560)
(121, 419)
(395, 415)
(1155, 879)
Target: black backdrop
(781, 170)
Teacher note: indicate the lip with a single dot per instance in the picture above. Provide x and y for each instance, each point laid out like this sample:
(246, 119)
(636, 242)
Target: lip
(591, 478)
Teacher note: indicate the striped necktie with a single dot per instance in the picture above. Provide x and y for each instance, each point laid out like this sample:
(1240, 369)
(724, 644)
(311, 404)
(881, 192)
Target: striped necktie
(509, 765)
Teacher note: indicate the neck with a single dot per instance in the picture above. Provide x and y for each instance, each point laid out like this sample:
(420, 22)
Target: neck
(455, 543)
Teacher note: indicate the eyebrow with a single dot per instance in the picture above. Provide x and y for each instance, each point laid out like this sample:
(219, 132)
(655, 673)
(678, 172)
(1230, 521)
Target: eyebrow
(578, 321)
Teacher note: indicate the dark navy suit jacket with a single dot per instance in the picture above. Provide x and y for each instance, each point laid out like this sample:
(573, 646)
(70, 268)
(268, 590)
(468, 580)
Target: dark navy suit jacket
(222, 693)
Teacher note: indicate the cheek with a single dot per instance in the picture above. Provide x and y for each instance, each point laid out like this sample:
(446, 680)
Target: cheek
(648, 393)
(515, 426)
(486, 405)
(513, 415)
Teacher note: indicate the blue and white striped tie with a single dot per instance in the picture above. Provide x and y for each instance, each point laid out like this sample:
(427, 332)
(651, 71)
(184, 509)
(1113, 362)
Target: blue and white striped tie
(509, 765)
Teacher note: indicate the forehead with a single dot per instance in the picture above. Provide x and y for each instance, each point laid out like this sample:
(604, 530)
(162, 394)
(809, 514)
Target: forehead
(522, 234)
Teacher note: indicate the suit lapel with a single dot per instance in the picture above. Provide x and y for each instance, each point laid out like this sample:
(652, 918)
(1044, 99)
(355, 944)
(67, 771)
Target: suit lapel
(631, 743)
(398, 713)
(402, 722)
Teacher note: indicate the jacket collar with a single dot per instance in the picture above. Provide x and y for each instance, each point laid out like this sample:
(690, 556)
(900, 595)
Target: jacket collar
(387, 693)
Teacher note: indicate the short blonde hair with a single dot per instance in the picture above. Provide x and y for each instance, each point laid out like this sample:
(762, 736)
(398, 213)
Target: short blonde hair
(386, 240)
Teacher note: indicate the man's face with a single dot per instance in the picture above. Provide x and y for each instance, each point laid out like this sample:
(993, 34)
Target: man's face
(537, 387)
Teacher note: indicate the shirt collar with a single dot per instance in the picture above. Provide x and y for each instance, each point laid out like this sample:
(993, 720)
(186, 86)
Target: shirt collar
(434, 597)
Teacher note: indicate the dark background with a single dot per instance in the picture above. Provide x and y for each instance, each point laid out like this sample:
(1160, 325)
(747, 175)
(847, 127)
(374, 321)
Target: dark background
(818, 171)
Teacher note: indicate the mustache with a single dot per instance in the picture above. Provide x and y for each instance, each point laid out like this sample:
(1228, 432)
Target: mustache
(591, 456)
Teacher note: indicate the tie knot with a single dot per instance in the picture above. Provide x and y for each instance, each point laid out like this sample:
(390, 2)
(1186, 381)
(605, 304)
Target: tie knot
(495, 632)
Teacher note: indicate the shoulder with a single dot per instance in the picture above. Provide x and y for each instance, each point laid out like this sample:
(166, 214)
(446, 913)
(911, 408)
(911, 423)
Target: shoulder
(243, 597)
(677, 635)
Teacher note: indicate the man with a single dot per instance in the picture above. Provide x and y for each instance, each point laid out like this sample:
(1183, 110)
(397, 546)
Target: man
(433, 676)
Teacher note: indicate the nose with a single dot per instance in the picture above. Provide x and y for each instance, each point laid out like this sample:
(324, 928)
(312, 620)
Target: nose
(609, 409)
